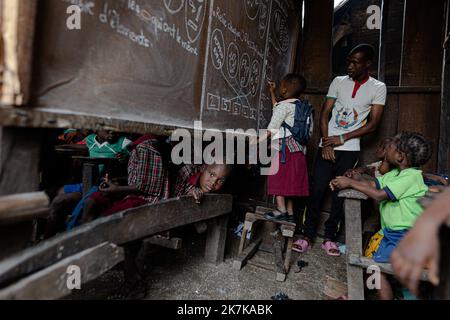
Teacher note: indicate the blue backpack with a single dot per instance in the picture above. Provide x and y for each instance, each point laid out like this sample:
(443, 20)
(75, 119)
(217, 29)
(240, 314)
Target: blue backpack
(303, 122)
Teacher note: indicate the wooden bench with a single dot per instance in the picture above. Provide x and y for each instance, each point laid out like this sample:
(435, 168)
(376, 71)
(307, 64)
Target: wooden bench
(22, 274)
(282, 239)
(18, 214)
(356, 262)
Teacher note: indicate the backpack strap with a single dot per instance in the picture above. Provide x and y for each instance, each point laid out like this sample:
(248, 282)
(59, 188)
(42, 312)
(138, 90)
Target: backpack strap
(283, 142)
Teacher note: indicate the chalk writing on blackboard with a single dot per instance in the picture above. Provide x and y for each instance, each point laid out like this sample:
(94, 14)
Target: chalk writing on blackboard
(174, 6)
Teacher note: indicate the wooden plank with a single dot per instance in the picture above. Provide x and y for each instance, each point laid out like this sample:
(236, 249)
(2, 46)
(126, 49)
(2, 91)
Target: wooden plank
(423, 39)
(169, 243)
(390, 90)
(278, 256)
(443, 290)
(353, 238)
(444, 142)
(19, 162)
(364, 262)
(119, 228)
(352, 194)
(43, 118)
(248, 252)
(317, 42)
(216, 239)
(288, 254)
(17, 36)
(23, 207)
(425, 107)
(51, 283)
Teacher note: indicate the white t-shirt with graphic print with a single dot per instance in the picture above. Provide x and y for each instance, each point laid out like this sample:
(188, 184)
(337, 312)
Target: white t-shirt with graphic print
(350, 113)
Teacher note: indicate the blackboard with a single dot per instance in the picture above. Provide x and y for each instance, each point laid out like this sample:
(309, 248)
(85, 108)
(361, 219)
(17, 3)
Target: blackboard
(165, 62)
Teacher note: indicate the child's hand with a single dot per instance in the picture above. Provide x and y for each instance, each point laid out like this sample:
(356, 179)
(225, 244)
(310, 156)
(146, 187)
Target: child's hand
(122, 157)
(108, 187)
(354, 174)
(197, 194)
(272, 86)
(340, 183)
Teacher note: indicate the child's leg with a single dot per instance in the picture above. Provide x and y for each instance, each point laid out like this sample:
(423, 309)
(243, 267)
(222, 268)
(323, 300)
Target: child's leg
(290, 206)
(385, 292)
(281, 204)
(91, 211)
(60, 208)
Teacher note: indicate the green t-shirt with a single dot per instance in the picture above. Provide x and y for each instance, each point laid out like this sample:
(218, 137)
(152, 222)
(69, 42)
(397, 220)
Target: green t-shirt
(106, 149)
(403, 187)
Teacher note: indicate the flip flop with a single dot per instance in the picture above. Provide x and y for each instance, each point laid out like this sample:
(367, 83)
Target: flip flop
(330, 245)
(301, 245)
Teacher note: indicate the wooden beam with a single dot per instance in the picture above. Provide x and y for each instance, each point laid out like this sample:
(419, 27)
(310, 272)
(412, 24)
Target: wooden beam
(390, 90)
(278, 256)
(444, 131)
(248, 252)
(364, 262)
(422, 66)
(169, 243)
(23, 207)
(51, 283)
(17, 37)
(442, 292)
(54, 118)
(120, 228)
(317, 42)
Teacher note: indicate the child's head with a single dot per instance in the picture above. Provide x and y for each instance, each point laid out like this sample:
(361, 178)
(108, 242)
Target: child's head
(292, 86)
(382, 148)
(214, 176)
(409, 149)
(107, 135)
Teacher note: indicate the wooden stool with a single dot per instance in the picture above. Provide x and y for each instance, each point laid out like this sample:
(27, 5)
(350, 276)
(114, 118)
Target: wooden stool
(283, 234)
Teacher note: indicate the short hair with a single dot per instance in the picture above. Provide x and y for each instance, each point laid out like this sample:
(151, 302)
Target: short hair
(296, 82)
(366, 49)
(417, 148)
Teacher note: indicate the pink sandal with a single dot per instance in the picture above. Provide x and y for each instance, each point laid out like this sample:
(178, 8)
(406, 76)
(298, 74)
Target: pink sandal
(328, 246)
(301, 245)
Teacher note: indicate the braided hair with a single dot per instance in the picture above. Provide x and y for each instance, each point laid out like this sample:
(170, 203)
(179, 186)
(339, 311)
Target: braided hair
(416, 147)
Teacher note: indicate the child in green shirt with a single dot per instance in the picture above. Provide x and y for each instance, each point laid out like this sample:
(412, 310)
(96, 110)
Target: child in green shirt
(397, 191)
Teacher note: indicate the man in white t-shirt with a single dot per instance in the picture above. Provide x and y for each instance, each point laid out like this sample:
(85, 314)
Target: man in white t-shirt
(356, 104)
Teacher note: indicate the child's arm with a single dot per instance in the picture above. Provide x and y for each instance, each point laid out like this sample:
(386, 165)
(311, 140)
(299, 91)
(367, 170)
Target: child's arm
(420, 246)
(272, 88)
(364, 186)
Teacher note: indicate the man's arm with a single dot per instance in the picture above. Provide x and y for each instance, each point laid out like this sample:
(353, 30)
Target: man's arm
(327, 151)
(374, 121)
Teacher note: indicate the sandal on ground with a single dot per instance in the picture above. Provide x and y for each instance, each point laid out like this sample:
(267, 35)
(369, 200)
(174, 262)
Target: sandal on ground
(275, 217)
(331, 248)
(301, 245)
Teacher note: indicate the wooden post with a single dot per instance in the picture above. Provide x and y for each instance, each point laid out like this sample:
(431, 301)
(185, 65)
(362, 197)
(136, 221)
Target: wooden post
(216, 240)
(89, 169)
(353, 241)
(443, 290)
(16, 36)
(444, 143)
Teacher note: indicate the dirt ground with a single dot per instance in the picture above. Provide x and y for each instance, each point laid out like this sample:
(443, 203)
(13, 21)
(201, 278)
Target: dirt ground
(183, 274)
